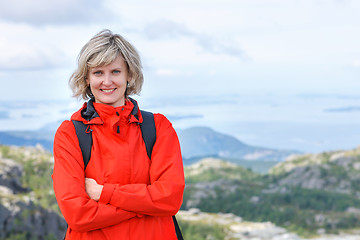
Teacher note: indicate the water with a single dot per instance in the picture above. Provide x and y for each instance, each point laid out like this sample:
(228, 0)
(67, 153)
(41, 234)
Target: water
(305, 122)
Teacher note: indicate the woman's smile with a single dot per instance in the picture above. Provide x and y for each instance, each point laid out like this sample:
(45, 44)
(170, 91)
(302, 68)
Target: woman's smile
(108, 90)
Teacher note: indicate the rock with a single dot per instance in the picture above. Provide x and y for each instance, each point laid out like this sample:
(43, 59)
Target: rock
(254, 199)
(204, 190)
(10, 176)
(194, 211)
(20, 215)
(353, 210)
(305, 177)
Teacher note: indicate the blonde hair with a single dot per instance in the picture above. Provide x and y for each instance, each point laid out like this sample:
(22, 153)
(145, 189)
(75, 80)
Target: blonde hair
(102, 50)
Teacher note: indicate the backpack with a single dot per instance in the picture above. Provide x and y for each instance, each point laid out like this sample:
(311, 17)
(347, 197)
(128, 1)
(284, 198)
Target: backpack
(148, 132)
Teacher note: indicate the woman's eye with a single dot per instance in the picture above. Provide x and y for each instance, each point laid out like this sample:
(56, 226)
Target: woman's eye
(116, 71)
(97, 73)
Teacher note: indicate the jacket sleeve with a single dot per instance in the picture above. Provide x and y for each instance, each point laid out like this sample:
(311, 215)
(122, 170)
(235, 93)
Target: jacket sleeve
(163, 197)
(80, 212)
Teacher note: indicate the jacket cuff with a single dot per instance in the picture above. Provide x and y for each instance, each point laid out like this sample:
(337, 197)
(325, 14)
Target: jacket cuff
(106, 193)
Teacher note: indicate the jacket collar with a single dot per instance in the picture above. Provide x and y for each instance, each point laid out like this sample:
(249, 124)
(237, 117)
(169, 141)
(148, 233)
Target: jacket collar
(90, 116)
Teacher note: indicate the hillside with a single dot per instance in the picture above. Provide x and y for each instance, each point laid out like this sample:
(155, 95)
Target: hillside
(220, 226)
(28, 209)
(337, 171)
(308, 194)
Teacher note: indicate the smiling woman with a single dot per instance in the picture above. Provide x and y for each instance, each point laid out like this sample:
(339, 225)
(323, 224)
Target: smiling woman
(123, 189)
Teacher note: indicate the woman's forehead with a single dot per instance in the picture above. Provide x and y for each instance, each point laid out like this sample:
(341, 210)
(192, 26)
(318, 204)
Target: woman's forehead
(118, 62)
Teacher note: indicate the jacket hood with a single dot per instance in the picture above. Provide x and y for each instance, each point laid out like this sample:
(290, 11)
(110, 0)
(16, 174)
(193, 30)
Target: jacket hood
(88, 112)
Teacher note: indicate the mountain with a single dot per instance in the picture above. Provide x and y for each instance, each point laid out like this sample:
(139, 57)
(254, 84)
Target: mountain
(198, 142)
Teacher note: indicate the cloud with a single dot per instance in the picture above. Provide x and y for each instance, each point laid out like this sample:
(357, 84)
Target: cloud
(166, 28)
(356, 63)
(20, 55)
(169, 29)
(58, 12)
(214, 46)
(167, 72)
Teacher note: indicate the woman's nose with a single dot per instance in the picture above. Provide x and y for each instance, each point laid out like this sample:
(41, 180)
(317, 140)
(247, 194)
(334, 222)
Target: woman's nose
(107, 80)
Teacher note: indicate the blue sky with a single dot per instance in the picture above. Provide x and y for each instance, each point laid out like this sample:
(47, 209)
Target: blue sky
(255, 53)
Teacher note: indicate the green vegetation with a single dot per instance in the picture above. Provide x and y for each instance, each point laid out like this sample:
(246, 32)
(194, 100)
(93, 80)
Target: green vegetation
(25, 236)
(296, 209)
(301, 210)
(222, 170)
(217, 186)
(201, 231)
(36, 176)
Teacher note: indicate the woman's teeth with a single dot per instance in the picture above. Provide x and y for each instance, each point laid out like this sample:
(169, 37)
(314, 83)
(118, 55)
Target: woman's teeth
(107, 91)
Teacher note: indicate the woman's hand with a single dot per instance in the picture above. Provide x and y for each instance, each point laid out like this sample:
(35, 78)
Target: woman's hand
(93, 189)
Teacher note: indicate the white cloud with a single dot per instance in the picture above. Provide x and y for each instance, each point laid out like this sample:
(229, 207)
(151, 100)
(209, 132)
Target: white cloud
(355, 63)
(169, 29)
(166, 28)
(167, 72)
(23, 47)
(289, 43)
(58, 12)
(30, 47)
(20, 56)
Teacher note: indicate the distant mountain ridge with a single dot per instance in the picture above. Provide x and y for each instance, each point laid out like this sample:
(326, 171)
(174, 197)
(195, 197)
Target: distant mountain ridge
(196, 143)
(26, 138)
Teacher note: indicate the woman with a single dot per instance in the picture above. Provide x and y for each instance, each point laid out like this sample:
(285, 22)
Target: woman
(121, 194)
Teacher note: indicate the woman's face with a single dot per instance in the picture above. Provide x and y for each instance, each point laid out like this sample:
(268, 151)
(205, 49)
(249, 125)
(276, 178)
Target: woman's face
(108, 83)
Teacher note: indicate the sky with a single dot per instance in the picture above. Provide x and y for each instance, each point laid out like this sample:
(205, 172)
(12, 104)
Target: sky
(277, 73)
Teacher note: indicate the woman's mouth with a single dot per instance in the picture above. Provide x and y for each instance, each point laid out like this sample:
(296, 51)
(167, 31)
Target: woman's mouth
(108, 90)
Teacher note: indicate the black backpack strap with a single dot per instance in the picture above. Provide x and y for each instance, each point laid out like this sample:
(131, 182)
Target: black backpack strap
(177, 229)
(148, 131)
(85, 140)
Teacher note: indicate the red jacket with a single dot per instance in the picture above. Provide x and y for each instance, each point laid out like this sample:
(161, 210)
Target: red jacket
(139, 195)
